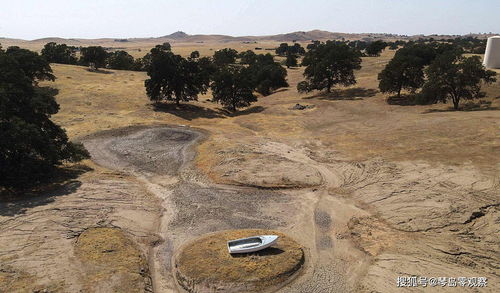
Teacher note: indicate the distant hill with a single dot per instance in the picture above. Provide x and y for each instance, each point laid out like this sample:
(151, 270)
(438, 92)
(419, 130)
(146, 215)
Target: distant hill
(182, 37)
(176, 36)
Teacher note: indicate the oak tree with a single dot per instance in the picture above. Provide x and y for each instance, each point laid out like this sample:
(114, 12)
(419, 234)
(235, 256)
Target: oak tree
(174, 78)
(94, 56)
(232, 87)
(328, 65)
(454, 77)
(31, 144)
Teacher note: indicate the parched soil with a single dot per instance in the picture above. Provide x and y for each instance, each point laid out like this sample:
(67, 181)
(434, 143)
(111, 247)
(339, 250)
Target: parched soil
(193, 206)
(350, 209)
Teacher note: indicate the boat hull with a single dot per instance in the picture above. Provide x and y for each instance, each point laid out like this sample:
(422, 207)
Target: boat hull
(251, 244)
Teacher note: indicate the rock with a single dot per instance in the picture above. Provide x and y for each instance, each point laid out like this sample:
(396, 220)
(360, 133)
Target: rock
(302, 107)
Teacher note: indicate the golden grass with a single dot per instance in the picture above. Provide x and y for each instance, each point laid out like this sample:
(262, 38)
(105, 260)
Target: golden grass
(106, 252)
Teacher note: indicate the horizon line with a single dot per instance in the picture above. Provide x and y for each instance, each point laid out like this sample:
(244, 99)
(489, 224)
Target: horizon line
(243, 36)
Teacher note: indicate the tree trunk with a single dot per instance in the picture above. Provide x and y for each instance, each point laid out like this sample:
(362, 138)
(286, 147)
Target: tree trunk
(177, 102)
(329, 86)
(399, 93)
(455, 103)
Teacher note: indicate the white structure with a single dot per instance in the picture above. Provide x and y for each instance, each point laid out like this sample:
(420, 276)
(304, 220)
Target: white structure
(492, 54)
(251, 244)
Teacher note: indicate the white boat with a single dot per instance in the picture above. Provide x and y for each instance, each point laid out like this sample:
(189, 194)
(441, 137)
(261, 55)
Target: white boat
(251, 244)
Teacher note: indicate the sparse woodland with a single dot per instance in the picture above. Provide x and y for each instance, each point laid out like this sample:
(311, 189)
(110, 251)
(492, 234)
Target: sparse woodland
(175, 78)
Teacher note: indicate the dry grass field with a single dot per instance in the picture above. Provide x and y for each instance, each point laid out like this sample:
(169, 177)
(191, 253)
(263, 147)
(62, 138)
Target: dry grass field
(373, 191)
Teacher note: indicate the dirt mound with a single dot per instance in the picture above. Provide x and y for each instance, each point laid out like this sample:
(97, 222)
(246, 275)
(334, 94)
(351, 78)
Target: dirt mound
(108, 252)
(252, 165)
(206, 266)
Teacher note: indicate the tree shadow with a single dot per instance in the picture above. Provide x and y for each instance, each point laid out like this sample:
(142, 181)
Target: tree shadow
(403, 100)
(249, 110)
(350, 94)
(187, 111)
(190, 112)
(461, 109)
(263, 252)
(102, 71)
(280, 90)
(59, 182)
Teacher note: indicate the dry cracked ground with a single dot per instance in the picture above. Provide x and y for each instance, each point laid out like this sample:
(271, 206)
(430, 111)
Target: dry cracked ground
(372, 191)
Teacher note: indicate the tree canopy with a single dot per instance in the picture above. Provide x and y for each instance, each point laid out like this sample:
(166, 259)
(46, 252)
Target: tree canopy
(120, 60)
(454, 77)
(285, 49)
(233, 88)
(225, 56)
(402, 72)
(328, 65)
(448, 74)
(174, 78)
(375, 48)
(31, 143)
(267, 75)
(291, 61)
(194, 55)
(59, 53)
(405, 70)
(94, 56)
(313, 45)
(247, 57)
(34, 67)
(358, 44)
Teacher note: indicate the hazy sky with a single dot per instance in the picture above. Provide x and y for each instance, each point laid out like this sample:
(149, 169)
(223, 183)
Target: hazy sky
(31, 19)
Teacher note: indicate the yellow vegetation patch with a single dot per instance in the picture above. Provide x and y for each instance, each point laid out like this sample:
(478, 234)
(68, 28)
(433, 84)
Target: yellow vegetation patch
(113, 263)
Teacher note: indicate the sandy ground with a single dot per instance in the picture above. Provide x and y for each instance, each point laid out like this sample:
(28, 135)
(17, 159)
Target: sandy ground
(372, 191)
